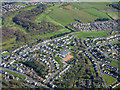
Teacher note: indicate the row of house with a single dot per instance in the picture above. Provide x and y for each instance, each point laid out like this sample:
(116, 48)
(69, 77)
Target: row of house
(11, 7)
(93, 62)
(8, 75)
(106, 25)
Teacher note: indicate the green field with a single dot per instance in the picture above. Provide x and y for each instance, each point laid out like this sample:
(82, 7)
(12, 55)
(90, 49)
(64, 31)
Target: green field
(116, 42)
(85, 12)
(16, 74)
(58, 60)
(109, 80)
(0, 22)
(113, 13)
(85, 5)
(29, 7)
(115, 63)
(5, 54)
(88, 34)
(48, 35)
(9, 43)
(66, 17)
(97, 13)
(9, 23)
(19, 3)
(101, 8)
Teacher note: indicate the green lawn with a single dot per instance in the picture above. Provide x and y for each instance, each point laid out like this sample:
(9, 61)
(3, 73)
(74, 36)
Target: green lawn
(66, 17)
(19, 3)
(29, 7)
(9, 23)
(16, 74)
(115, 63)
(116, 42)
(85, 5)
(10, 43)
(97, 13)
(112, 12)
(0, 22)
(87, 34)
(48, 35)
(5, 54)
(97, 8)
(109, 80)
(58, 60)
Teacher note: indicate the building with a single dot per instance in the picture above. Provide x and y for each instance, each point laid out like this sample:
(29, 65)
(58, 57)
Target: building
(64, 53)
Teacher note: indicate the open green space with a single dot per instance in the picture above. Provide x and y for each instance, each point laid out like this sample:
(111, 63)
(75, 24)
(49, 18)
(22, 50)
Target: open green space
(85, 5)
(109, 80)
(9, 23)
(116, 42)
(112, 12)
(97, 13)
(0, 22)
(16, 74)
(84, 13)
(48, 35)
(5, 54)
(115, 63)
(19, 3)
(58, 60)
(88, 34)
(11, 43)
(29, 7)
(66, 17)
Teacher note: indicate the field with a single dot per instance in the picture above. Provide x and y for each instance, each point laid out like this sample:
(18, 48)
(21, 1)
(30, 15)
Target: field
(9, 23)
(101, 7)
(19, 3)
(66, 17)
(0, 22)
(109, 80)
(58, 60)
(7, 45)
(97, 13)
(115, 63)
(85, 12)
(88, 34)
(86, 5)
(48, 35)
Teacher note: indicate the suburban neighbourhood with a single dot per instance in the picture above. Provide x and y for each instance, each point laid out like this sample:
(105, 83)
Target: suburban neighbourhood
(46, 51)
